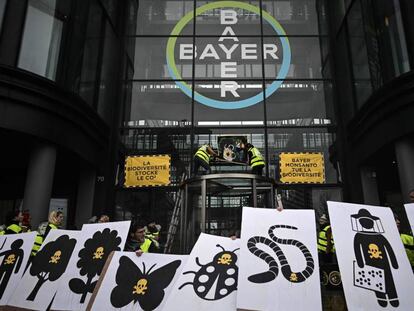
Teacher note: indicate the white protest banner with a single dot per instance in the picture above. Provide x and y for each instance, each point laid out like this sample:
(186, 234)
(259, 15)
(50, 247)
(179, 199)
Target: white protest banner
(209, 278)
(409, 209)
(375, 271)
(38, 285)
(137, 283)
(15, 252)
(95, 243)
(278, 261)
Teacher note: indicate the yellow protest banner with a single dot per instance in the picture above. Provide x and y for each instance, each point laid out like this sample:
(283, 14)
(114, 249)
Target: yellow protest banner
(304, 168)
(147, 171)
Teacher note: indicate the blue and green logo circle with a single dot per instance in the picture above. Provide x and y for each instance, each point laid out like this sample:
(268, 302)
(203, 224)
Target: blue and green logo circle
(233, 104)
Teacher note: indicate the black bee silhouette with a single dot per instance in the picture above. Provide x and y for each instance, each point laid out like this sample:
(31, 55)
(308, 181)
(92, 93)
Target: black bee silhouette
(146, 287)
(222, 270)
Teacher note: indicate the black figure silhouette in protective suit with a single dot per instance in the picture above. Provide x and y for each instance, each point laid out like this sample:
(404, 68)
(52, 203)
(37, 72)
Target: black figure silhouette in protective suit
(373, 249)
(11, 262)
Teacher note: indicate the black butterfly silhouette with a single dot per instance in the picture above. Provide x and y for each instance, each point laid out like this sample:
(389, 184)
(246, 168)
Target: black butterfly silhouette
(145, 287)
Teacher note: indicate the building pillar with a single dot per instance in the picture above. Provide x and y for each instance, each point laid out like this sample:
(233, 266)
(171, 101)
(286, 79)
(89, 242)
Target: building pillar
(404, 151)
(85, 196)
(39, 182)
(369, 186)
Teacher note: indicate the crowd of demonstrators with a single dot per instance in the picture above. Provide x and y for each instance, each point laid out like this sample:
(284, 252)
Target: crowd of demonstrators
(140, 241)
(143, 236)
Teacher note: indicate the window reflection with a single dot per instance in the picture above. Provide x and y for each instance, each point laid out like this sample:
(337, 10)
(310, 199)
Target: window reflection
(358, 48)
(2, 7)
(158, 17)
(41, 38)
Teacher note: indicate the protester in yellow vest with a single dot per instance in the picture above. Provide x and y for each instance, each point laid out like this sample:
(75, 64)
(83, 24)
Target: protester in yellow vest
(326, 246)
(137, 241)
(254, 158)
(13, 223)
(407, 240)
(37, 244)
(152, 232)
(202, 158)
(55, 221)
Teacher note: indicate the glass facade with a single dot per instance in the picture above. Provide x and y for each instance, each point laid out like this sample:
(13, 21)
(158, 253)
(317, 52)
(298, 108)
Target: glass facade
(374, 38)
(193, 71)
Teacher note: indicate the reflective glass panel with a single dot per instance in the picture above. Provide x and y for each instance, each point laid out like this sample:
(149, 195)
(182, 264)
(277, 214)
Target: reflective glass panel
(41, 40)
(299, 101)
(151, 58)
(159, 17)
(305, 57)
(226, 20)
(295, 17)
(210, 95)
(159, 104)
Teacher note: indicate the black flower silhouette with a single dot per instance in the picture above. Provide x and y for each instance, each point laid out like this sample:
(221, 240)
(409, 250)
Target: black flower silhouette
(51, 262)
(92, 260)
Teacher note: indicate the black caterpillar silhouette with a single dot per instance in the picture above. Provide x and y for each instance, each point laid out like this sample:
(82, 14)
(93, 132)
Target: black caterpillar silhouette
(267, 276)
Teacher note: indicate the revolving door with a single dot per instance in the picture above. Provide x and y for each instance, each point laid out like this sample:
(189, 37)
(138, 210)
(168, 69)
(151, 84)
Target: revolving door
(213, 204)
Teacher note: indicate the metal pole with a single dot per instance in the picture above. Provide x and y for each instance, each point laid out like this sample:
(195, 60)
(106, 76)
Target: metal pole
(203, 205)
(254, 192)
(272, 196)
(185, 236)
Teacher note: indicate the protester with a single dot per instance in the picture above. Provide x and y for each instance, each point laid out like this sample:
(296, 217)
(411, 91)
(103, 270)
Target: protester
(103, 219)
(326, 246)
(254, 158)
(235, 234)
(13, 222)
(152, 232)
(26, 222)
(137, 241)
(55, 221)
(203, 158)
(411, 195)
(407, 240)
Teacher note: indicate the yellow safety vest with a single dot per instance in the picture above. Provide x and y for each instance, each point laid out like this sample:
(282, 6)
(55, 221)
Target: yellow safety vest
(14, 228)
(323, 242)
(153, 237)
(203, 154)
(37, 244)
(52, 226)
(257, 158)
(146, 245)
(408, 242)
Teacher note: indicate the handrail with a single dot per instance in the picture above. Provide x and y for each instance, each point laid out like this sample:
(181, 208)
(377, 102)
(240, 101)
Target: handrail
(228, 176)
